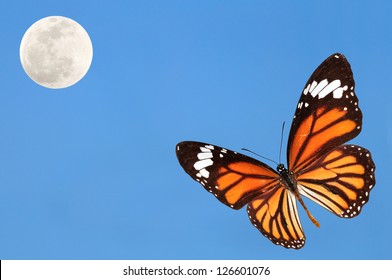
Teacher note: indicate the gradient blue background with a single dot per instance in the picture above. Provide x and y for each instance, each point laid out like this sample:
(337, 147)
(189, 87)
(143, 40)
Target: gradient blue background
(90, 172)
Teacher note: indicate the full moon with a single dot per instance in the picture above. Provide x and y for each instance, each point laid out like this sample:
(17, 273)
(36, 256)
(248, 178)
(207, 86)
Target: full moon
(56, 52)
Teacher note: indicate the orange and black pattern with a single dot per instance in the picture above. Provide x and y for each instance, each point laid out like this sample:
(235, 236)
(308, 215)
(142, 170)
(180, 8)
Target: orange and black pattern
(336, 176)
(275, 215)
(235, 179)
(340, 181)
(324, 121)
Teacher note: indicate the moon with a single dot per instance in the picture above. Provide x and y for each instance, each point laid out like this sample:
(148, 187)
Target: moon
(56, 52)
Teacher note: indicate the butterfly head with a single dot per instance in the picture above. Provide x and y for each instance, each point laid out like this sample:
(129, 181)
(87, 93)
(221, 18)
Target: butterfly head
(280, 168)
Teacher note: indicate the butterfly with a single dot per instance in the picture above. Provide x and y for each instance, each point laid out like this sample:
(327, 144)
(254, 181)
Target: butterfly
(321, 167)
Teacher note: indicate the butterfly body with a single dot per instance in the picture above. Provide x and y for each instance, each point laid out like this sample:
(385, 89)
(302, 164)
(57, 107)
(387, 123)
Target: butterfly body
(337, 176)
(287, 178)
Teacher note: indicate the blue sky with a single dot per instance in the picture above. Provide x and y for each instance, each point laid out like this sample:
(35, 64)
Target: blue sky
(90, 172)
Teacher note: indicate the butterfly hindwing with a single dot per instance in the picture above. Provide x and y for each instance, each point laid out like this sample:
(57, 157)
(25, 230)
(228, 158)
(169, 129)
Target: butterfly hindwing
(327, 114)
(275, 215)
(340, 181)
(235, 179)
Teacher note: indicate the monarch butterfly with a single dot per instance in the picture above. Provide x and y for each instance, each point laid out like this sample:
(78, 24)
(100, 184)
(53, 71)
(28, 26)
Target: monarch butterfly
(335, 175)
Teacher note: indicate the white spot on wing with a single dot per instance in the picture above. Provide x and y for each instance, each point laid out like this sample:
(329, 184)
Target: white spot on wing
(338, 93)
(319, 87)
(204, 173)
(306, 89)
(204, 155)
(203, 164)
(329, 88)
(314, 84)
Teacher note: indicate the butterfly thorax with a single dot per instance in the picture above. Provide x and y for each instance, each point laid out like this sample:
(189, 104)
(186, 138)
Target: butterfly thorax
(287, 178)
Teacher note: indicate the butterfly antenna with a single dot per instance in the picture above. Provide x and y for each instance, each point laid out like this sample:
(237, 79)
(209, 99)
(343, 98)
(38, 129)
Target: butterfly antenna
(244, 149)
(281, 142)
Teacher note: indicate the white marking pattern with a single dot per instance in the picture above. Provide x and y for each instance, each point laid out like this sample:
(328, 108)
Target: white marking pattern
(205, 160)
(323, 88)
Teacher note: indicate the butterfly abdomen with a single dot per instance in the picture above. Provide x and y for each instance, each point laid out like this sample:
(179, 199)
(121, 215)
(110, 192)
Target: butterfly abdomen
(290, 182)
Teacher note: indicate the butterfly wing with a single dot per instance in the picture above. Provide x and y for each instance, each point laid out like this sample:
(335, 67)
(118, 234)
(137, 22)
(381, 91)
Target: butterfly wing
(340, 181)
(275, 215)
(236, 179)
(327, 113)
(337, 177)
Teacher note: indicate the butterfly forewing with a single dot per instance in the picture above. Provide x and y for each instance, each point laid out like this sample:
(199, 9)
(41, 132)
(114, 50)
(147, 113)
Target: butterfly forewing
(327, 114)
(235, 179)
